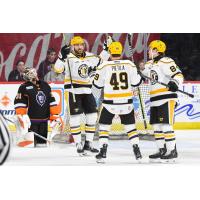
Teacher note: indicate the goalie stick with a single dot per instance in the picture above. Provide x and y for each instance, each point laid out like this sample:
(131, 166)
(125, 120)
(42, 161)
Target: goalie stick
(139, 93)
(36, 134)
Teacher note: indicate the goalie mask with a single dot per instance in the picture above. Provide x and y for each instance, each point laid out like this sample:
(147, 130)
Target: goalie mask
(30, 74)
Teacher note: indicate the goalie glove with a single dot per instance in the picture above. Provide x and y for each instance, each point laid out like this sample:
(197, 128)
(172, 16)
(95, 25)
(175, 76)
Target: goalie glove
(107, 43)
(64, 52)
(173, 86)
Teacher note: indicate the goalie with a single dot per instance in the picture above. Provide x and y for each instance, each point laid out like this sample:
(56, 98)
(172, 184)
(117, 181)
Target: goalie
(34, 106)
(116, 78)
(163, 99)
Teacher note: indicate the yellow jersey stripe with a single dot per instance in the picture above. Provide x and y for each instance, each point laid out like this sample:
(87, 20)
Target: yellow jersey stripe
(77, 81)
(166, 62)
(180, 75)
(128, 94)
(159, 91)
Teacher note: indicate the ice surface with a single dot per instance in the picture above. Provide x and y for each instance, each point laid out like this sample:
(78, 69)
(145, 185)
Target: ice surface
(119, 153)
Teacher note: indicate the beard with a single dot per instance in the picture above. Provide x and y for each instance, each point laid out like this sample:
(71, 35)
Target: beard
(79, 52)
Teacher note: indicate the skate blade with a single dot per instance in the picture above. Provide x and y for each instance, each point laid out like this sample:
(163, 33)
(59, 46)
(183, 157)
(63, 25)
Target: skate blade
(100, 161)
(83, 154)
(157, 160)
(168, 161)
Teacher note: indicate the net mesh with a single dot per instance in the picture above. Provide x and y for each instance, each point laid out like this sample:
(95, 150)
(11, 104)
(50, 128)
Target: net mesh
(117, 129)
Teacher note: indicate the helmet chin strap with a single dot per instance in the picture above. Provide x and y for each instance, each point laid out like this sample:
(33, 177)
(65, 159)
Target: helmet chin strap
(151, 54)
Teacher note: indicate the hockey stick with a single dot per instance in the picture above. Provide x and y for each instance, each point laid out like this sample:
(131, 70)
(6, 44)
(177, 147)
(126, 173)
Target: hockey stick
(36, 134)
(70, 74)
(139, 93)
(164, 84)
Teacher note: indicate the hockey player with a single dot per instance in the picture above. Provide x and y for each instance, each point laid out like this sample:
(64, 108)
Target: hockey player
(163, 99)
(34, 106)
(4, 140)
(79, 65)
(116, 78)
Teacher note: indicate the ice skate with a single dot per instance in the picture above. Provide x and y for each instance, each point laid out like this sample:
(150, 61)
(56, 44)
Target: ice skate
(102, 154)
(80, 149)
(137, 152)
(157, 156)
(89, 147)
(170, 157)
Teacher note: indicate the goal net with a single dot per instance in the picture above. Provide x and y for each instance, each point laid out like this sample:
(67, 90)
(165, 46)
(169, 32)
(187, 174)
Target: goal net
(117, 129)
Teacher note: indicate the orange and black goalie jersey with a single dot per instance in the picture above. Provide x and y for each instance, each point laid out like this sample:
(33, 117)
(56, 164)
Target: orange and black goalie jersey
(35, 100)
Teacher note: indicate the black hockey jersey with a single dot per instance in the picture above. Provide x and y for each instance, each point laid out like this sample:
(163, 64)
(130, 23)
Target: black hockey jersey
(35, 100)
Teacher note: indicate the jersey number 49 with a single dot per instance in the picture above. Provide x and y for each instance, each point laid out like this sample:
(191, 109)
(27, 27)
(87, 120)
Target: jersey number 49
(119, 81)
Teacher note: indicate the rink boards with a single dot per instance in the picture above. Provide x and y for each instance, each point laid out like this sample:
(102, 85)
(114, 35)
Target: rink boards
(187, 113)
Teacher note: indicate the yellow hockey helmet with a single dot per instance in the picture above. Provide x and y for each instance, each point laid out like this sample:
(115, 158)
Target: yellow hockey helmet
(115, 48)
(159, 45)
(77, 40)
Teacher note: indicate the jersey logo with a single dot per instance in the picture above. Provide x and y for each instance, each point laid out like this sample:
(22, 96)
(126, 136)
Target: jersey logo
(41, 98)
(154, 77)
(83, 71)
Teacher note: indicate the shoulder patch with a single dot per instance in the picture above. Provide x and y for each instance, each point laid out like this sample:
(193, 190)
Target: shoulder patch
(29, 87)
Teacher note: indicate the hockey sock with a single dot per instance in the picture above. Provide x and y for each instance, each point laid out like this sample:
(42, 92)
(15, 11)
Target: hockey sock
(169, 135)
(132, 133)
(90, 126)
(75, 128)
(159, 135)
(103, 134)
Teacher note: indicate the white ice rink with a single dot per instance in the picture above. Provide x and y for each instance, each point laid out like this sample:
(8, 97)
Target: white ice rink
(119, 153)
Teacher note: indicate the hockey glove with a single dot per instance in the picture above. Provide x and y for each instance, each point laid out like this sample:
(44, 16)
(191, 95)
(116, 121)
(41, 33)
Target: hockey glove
(172, 86)
(107, 43)
(91, 72)
(65, 50)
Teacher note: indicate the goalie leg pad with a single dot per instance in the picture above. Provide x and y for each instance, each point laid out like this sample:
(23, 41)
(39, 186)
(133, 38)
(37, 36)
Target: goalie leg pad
(159, 135)
(91, 120)
(75, 127)
(27, 141)
(132, 133)
(22, 123)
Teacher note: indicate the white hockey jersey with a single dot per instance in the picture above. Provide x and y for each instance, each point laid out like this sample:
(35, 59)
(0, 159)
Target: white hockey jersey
(163, 70)
(117, 78)
(79, 68)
